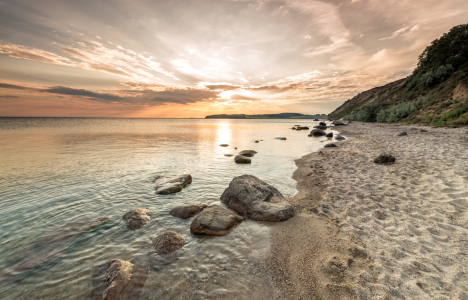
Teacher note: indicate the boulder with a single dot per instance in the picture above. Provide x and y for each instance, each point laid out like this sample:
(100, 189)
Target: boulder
(339, 138)
(320, 127)
(168, 242)
(330, 134)
(248, 153)
(215, 221)
(323, 124)
(172, 184)
(317, 132)
(240, 159)
(331, 145)
(402, 133)
(338, 123)
(224, 145)
(281, 138)
(385, 159)
(136, 218)
(256, 199)
(118, 279)
(186, 211)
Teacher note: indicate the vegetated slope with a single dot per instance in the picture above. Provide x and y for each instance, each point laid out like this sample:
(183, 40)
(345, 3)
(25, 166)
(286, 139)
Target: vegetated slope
(436, 92)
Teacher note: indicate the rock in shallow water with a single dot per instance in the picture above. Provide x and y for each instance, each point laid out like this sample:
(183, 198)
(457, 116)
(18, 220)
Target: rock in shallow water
(384, 159)
(240, 159)
(136, 218)
(172, 184)
(257, 200)
(317, 132)
(224, 145)
(248, 153)
(118, 279)
(168, 242)
(215, 221)
(186, 211)
(281, 138)
(330, 134)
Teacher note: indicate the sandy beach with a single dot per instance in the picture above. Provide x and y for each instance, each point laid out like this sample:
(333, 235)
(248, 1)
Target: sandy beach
(371, 231)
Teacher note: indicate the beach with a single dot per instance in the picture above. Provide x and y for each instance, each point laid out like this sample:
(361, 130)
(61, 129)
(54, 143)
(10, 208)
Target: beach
(370, 231)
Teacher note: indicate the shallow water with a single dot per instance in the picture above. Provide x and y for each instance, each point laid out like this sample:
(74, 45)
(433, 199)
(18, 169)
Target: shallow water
(58, 170)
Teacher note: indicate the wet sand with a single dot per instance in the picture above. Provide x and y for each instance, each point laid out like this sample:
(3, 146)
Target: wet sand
(371, 231)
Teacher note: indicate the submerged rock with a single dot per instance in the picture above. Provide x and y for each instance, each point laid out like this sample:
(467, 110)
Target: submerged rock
(281, 138)
(172, 184)
(323, 124)
(118, 279)
(256, 199)
(256, 141)
(215, 221)
(317, 132)
(384, 159)
(248, 153)
(228, 154)
(403, 133)
(186, 211)
(168, 242)
(136, 218)
(331, 145)
(320, 127)
(224, 145)
(240, 159)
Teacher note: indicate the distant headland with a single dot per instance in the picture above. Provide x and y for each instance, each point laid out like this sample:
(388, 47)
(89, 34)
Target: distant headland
(268, 116)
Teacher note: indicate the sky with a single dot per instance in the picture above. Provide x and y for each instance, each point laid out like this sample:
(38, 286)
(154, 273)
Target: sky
(192, 58)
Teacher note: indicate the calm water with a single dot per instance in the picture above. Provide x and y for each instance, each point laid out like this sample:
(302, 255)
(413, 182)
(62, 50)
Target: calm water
(60, 170)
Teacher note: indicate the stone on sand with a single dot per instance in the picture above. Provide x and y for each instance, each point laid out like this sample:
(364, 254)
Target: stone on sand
(172, 184)
(403, 133)
(168, 242)
(215, 221)
(186, 211)
(384, 159)
(331, 145)
(136, 218)
(340, 138)
(330, 134)
(257, 200)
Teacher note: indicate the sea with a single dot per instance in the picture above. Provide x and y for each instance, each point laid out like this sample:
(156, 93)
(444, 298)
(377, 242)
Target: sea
(58, 174)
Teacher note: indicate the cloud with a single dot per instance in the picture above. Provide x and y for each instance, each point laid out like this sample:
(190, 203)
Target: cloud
(182, 96)
(241, 97)
(402, 31)
(81, 92)
(8, 97)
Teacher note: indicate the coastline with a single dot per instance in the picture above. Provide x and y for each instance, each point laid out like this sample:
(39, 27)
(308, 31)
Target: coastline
(404, 226)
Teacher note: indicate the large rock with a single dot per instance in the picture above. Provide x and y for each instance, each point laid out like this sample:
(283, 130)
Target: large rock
(186, 211)
(385, 159)
(172, 184)
(320, 127)
(248, 153)
(256, 199)
(136, 218)
(215, 221)
(168, 242)
(240, 159)
(118, 279)
(338, 123)
(317, 132)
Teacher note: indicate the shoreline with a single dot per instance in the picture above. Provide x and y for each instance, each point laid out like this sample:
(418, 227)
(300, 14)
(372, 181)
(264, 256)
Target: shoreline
(410, 218)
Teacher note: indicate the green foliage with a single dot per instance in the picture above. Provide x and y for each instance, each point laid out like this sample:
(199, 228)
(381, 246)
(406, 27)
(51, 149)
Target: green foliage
(454, 114)
(450, 49)
(432, 78)
(367, 113)
(400, 111)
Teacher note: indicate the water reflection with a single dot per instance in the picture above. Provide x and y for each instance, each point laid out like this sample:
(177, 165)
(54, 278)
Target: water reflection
(57, 171)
